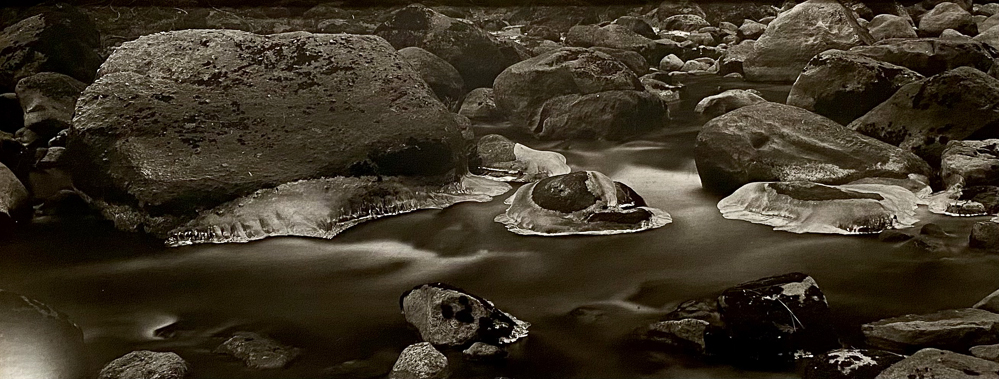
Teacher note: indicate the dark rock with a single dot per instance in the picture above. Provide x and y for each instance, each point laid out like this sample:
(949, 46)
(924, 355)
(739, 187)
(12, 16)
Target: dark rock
(668, 9)
(472, 51)
(777, 142)
(770, 319)
(637, 25)
(689, 334)
(888, 26)
(53, 158)
(933, 363)
(792, 40)
(924, 116)
(933, 230)
(443, 78)
(701, 309)
(734, 12)
(39, 341)
(420, 361)
(892, 235)
(480, 104)
(849, 364)
(735, 57)
(483, 352)
(617, 37)
(15, 203)
(448, 316)
(145, 364)
(61, 39)
(751, 29)
(988, 352)
(198, 100)
(683, 22)
(258, 352)
(986, 196)
(984, 235)
(844, 86)
(377, 366)
(989, 303)
(970, 163)
(635, 61)
(945, 16)
(11, 116)
(929, 56)
(717, 105)
(954, 329)
(610, 115)
(48, 100)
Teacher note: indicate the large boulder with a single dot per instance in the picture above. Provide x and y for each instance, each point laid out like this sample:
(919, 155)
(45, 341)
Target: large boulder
(145, 364)
(946, 15)
(47, 100)
(935, 363)
(618, 37)
(635, 61)
(522, 89)
(844, 86)
(443, 78)
(777, 142)
(796, 36)
(722, 103)
(953, 329)
(886, 26)
(38, 341)
(61, 39)
(250, 112)
(15, 202)
(924, 116)
(970, 163)
(637, 25)
(472, 51)
(609, 115)
(930, 56)
(448, 316)
(989, 37)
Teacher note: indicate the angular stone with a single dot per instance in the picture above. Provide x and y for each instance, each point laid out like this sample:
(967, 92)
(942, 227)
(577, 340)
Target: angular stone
(258, 352)
(934, 363)
(15, 205)
(751, 29)
(420, 361)
(48, 100)
(946, 15)
(480, 351)
(887, 26)
(735, 57)
(617, 36)
(502, 159)
(635, 61)
(145, 364)
(683, 22)
(480, 104)
(953, 329)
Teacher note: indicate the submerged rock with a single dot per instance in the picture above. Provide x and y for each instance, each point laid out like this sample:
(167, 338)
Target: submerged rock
(805, 207)
(717, 105)
(954, 329)
(420, 361)
(502, 159)
(322, 208)
(257, 351)
(448, 316)
(585, 202)
(934, 363)
(849, 364)
(145, 364)
(689, 334)
(38, 341)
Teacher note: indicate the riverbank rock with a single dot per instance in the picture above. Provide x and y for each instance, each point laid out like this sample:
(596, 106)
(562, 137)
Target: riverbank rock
(924, 116)
(443, 78)
(48, 100)
(988, 352)
(887, 26)
(734, 59)
(683, 22)
(989, 303)
(449, 316)
(930, 56)
(420, 361)
(844, 86)
(670, 63)
(777, 142)
(989, 37)
(62, 40)
(934, 363)
(970, 163)
(38, 341)
(984, 235)
(635, 61)
(795, 37)
(946, 15)
(717, 105)
(480, 104)
(502, 159)
(584, 203)
(849, 364)
(258, 352)
(954, 329)
(15, 203)
(606, 115)
(472, 51)
(805, 207)
(203, 103)
(770, 319)
(617, 36)
(145, 364)
(751, 29)
(638, 25)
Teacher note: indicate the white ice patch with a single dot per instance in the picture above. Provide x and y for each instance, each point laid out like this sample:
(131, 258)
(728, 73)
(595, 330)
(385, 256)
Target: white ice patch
(848, 361)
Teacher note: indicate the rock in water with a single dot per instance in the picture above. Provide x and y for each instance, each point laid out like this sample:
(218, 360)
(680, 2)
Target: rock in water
(984, 235)
(796, 36)
(38, 341)
(15, 202)
(849, 364)
(608, 115)
(443, 78)
(934, 363)
(502, 159)
(735, 57)
(953, 329)
(584, 202)
(970, 163)
(322, 208)
(844, 86)
(804, 207)
(145, 364)
(62, 40)
(930, 56)
(717, 105)
(420, 361)
(777, 142)
(449, 316)
(924, 116)
(258, 352)
(250, 112)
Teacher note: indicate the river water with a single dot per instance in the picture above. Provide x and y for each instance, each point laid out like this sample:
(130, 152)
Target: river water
(338, 300)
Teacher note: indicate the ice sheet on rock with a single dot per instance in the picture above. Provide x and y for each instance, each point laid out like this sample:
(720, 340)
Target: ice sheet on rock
(915, 183)
(322, 208)
(608, 215)
(804, 207)
(530, 165)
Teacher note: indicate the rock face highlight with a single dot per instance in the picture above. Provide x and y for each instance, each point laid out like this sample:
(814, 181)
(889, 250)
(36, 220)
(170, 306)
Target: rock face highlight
(146, 364)
(449, 316)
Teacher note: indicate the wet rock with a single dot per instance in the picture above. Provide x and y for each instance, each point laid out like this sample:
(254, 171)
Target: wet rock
(635, 61)
(849, 364)
(984, 235)
(924, 116)
(480, 104)
(844, 86)
(61, 39)
(584, 202)
(449, 316)
(777, 142)
(804, 207)
(38, 341)
(15, 203)
(472, 51)
(989, 352)
(443, 78)
(751, 29)
(933, 230)
(892, 236)
(199, 100)
(930, 56)
(420, 361)
(500, 158)
(670, 63)
(683, 22)
(954, 329)
(933, 363)
(637, 25)
(483, 352)
(617, 36)
(687, 334)
(522, 89)
(970, 163)
(258, 352)
(47, 100)
(793, 39)
(609, 115)
(989, 37)
(946, 15)
(735, 56)
(887, 26)
(717, 105)
(11, 116)
(146, 364)
(770, 319)
(989, 303)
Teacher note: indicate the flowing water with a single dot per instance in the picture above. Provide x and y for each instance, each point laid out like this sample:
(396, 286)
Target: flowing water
(338, 299)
